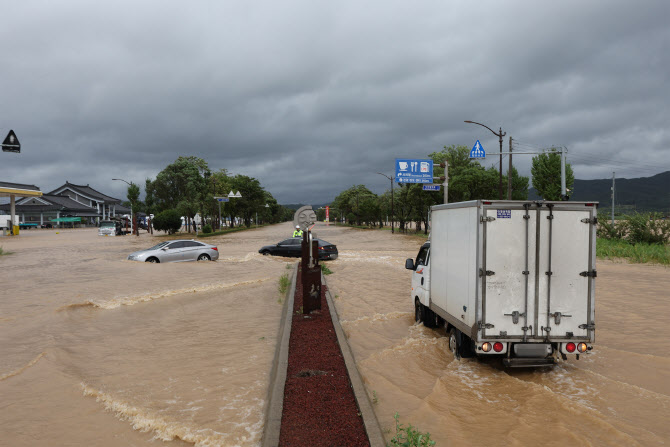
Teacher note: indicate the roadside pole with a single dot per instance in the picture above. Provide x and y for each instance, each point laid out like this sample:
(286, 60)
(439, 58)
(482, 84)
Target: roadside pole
(563, 192)
(509, 172)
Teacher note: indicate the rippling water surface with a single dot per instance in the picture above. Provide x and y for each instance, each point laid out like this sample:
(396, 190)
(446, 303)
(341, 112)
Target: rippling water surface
(97, 350)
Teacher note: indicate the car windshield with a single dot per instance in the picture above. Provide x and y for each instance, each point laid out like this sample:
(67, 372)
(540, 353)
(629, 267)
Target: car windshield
(156, 247)
(107, 224)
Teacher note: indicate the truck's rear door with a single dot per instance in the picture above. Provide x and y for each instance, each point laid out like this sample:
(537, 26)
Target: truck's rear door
(565, 271)
(507, 283)
(537, 270)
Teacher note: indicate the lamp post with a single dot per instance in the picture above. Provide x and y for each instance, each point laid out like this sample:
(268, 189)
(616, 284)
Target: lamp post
(234, 196)
(500, 136)
(266, 206)
(392, 215)
(133, 226)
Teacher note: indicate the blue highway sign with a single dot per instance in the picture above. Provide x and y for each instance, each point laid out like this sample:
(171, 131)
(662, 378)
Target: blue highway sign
(413, 171)
(223, 199)
(478, 151)
(431, 187)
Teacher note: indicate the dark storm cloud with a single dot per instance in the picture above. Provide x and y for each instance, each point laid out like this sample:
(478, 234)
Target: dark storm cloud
(312, 98)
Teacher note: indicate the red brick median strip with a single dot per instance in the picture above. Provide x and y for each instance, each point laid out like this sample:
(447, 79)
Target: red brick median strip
(319, 404)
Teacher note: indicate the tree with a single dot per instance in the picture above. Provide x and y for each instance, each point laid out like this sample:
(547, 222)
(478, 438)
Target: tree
(168, 221)
(183, 183)
(546, 172)
(519, 185)
(133, 197)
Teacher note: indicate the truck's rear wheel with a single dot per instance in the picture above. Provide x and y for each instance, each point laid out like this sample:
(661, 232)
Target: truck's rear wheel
(455, 342)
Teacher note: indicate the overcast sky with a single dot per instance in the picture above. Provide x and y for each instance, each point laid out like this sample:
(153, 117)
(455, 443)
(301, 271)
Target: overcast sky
(311, 97)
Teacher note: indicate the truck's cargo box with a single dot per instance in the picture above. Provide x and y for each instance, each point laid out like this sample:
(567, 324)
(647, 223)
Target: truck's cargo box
(515, 270)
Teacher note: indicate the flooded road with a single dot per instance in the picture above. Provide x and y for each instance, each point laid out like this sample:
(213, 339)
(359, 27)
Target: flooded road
(97, 350)
(619, 394)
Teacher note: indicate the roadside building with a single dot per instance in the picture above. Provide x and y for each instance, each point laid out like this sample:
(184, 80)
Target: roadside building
(69, 200)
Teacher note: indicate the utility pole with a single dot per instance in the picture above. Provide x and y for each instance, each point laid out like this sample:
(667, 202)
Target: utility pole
(509, 172)
(500, 136)
(613, 174)
(563, 191)
(392, 215)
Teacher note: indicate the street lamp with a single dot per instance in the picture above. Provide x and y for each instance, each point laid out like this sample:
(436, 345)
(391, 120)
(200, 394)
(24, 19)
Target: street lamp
(234, 196)
(133, 226)
(266, 206)
(500, 136)
(392, 215)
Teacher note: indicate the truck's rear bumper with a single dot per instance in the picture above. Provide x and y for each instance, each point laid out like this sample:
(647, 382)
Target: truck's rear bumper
(517, 362)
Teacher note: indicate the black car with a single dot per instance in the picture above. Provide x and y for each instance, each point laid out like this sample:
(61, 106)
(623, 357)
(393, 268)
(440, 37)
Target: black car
(292, 248)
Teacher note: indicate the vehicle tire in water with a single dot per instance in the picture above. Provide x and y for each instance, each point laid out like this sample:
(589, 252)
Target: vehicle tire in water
(419, 311)
(430, 318)
(204, 257)
(455, 342)
(153, 260)
(266, 253)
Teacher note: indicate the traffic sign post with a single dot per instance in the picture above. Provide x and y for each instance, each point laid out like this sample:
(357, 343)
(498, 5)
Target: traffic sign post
(431, 187)
(477, 151)
(11, 143)
(413, 170)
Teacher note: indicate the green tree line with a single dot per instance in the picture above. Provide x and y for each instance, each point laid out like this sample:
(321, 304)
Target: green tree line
(188, 186)
(468, 180)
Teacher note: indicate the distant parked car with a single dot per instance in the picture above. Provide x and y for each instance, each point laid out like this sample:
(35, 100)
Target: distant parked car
(177, 251)
(292, 248)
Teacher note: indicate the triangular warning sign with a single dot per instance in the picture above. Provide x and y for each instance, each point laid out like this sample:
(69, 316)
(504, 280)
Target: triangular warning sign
(11, 143)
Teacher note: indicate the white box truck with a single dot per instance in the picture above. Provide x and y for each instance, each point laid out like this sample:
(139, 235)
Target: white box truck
(514, 279)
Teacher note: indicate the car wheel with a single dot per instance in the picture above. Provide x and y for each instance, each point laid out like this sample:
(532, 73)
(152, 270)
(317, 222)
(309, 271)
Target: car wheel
(266, 253)
(204, 257)
(153, 260)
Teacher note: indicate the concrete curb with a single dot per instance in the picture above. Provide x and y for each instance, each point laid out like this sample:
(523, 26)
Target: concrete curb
(275, 397)
(370, 421)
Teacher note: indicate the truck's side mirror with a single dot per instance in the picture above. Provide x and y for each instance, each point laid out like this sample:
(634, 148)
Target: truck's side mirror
(409, 264)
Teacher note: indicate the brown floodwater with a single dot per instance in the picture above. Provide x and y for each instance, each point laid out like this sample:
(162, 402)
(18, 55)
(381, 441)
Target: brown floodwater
(98, 350)
(619, 394)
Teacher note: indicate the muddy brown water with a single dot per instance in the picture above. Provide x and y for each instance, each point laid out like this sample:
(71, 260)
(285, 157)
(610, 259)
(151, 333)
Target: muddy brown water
(97, 350)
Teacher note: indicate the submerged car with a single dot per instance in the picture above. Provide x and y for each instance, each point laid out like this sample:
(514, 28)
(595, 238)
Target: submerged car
(177, 251)
(292, 248)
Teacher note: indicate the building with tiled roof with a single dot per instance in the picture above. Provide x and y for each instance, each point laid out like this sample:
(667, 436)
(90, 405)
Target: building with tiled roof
(69, 200)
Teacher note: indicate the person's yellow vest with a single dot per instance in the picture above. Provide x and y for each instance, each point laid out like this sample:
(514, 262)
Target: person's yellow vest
(297, 233)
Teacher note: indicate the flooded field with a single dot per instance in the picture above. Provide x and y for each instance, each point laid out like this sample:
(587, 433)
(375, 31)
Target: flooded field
(97, 350)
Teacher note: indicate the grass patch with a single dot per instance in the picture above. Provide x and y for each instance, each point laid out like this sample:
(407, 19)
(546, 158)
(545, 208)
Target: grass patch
(3, 253)
(283, 283)
(325, 270)
(638, 253)
(409, 436)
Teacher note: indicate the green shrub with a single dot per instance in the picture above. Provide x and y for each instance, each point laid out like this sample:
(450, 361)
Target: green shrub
(168, 221)
(207, 229)
(325, 270)
(409, 437)
(647, 228)
(638, 253)
(283, 283)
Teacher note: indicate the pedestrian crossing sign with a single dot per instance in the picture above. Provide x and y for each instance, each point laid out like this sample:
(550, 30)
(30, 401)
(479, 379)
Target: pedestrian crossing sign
(477, 151)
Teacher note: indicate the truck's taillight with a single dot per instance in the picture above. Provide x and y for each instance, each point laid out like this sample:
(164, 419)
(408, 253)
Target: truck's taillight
(486, 347)
(497, 346)
(570, 347)
(581, 347)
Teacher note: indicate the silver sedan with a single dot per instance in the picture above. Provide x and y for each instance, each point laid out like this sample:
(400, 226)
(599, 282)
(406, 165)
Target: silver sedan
(177, 251)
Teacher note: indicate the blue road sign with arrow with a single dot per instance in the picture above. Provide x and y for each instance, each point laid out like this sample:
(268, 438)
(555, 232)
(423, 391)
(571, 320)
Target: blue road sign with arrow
(478, 151)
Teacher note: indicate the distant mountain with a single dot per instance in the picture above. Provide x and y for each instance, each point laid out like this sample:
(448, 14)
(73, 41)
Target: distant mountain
(637, 194)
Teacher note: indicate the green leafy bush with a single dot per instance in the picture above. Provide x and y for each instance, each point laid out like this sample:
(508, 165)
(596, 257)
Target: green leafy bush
(409, 436)
(168, 221)
(647, 228)
(207, 229)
